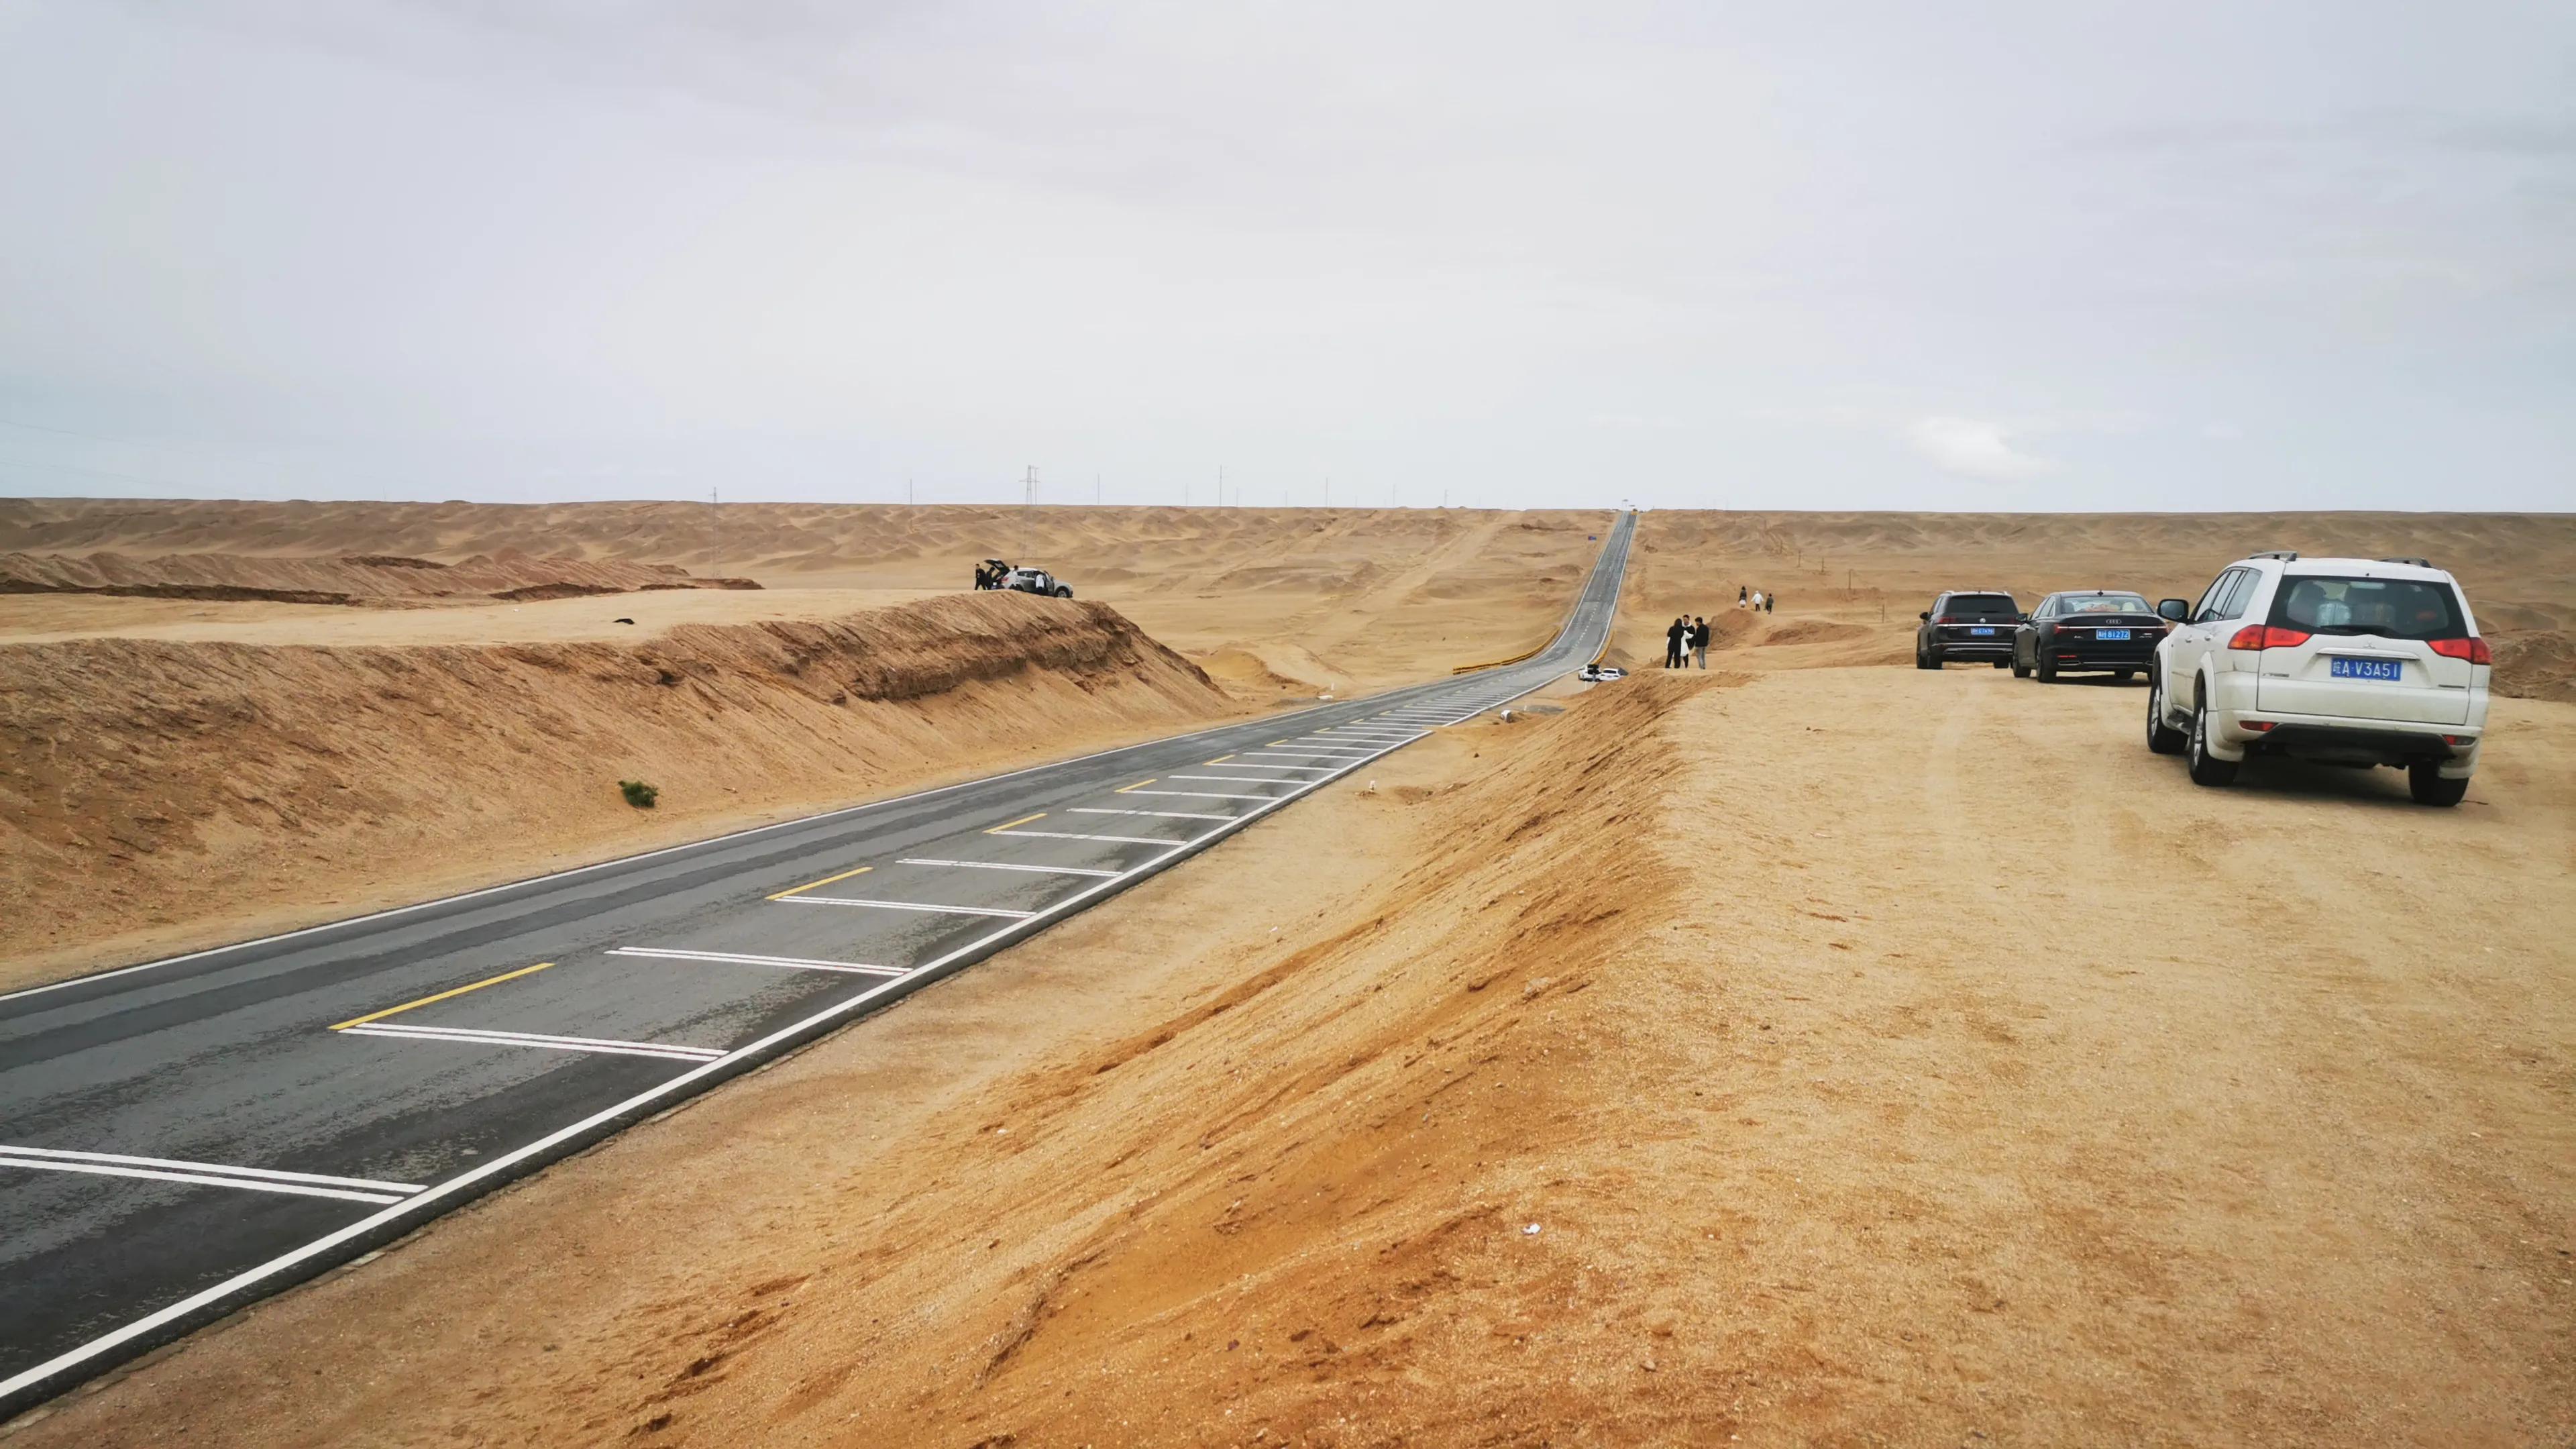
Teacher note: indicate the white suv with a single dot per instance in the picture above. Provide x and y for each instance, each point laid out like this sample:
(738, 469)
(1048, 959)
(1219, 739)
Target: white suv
(2348, 661)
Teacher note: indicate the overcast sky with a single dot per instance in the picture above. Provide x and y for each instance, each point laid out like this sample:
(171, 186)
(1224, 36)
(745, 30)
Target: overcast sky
(1807, 254)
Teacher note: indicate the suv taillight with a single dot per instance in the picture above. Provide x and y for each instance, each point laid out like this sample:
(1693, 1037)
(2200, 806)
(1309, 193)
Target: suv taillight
(1946, 619)
(2267, 636)
(2472, 649)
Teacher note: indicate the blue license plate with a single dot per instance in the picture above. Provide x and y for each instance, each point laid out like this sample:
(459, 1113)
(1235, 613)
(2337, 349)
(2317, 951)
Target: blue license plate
(2341, 668)
(1981, 631)
(2110, 633)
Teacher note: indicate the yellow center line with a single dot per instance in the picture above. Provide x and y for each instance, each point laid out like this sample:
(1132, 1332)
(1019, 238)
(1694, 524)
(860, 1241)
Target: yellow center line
(1221, 759)
(442, 996)
(1023, 820)
(827, 880)
(1139, 785)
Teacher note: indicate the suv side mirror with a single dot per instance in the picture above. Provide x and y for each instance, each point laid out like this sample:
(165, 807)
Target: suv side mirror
(2178, 610)
(1925, 615)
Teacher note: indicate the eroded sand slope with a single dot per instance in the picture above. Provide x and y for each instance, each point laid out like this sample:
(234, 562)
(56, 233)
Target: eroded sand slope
(1590, 1082)
(158, 795)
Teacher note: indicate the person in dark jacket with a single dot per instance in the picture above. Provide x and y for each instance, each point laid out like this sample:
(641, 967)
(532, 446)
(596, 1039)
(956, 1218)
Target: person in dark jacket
(1770, 602)
(1699, 642)
(1673, 638)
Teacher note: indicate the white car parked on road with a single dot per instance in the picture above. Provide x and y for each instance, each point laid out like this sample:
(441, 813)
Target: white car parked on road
(2347, 661)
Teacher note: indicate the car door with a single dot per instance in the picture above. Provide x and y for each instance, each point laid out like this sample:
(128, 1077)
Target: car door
(2191, 640)
(2026, 638)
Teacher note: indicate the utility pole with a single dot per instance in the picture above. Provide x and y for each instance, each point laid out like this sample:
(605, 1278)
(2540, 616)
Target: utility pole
(1095, 490)
(715, 528)
(1030, 486)
(907, 490)
(1220, 486)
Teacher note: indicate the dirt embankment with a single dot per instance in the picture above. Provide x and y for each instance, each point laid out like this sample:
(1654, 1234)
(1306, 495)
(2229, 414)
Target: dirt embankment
(154, 794)
(1875, 1096)
(365, 578)
(1869, 574)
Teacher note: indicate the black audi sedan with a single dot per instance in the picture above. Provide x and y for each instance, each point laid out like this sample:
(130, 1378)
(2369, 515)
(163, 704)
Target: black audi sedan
(1971, 624)
(2093, 631)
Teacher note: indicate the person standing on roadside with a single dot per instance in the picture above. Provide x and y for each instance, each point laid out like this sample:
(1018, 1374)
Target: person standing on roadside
(1673, 637)
(1699, 641)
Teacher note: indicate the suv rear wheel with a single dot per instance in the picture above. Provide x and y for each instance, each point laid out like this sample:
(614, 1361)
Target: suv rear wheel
(2045, 667)
(2162, 738)
(2425, 782)
(2206, 768)
(1923, 660)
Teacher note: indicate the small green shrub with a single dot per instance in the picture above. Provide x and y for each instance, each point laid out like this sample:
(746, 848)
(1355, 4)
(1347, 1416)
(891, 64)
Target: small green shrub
(639, 794)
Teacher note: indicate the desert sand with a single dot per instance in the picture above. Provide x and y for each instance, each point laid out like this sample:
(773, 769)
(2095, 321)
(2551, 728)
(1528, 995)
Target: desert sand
(1810, 1051)
(1579, 1083)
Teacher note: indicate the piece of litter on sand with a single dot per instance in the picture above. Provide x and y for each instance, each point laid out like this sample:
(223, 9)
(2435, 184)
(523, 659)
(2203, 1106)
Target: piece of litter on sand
(1531, 1231)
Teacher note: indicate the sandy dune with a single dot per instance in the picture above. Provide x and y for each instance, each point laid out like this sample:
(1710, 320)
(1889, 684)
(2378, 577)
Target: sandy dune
(1886, 1094)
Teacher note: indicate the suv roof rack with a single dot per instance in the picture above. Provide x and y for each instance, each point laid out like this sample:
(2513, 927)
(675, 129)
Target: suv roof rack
(2285, 555)
(2421, 563)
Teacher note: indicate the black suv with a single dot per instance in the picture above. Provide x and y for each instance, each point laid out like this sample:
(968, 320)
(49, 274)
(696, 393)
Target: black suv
(1967, 624)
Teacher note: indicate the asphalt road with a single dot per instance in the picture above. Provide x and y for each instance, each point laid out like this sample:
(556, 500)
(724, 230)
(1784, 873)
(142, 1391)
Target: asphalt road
(180, 1138)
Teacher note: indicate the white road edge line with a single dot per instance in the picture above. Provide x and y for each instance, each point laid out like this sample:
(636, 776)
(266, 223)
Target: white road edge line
(797, 963)
(847, 1006)
(221, 1169)
(1005, 865)
(205, 1179)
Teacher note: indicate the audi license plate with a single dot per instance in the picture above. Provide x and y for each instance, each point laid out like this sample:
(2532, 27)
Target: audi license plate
(2110, 633)
(2339, 667)
(1988, 632)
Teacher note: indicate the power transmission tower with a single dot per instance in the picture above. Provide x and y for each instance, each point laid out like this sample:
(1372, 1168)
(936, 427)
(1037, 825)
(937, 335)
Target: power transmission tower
(1030, 487)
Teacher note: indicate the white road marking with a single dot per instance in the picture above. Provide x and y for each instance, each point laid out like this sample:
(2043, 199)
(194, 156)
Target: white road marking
(1325, 769)
(1003, 865)
(1236, 780)
(219, 1169)
(909, 906)
(481, 1037)
(797, 963)
(1115, 839)
(1158, 814)
(1300, 754)
(1203, 795)
(202, 1179)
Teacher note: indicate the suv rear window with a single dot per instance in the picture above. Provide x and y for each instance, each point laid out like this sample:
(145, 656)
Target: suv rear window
(2389, 608)
(1979, 604)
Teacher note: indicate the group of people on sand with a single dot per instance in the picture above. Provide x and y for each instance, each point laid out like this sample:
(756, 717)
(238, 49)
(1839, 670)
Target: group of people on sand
(1686, 639)
(990, 573)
